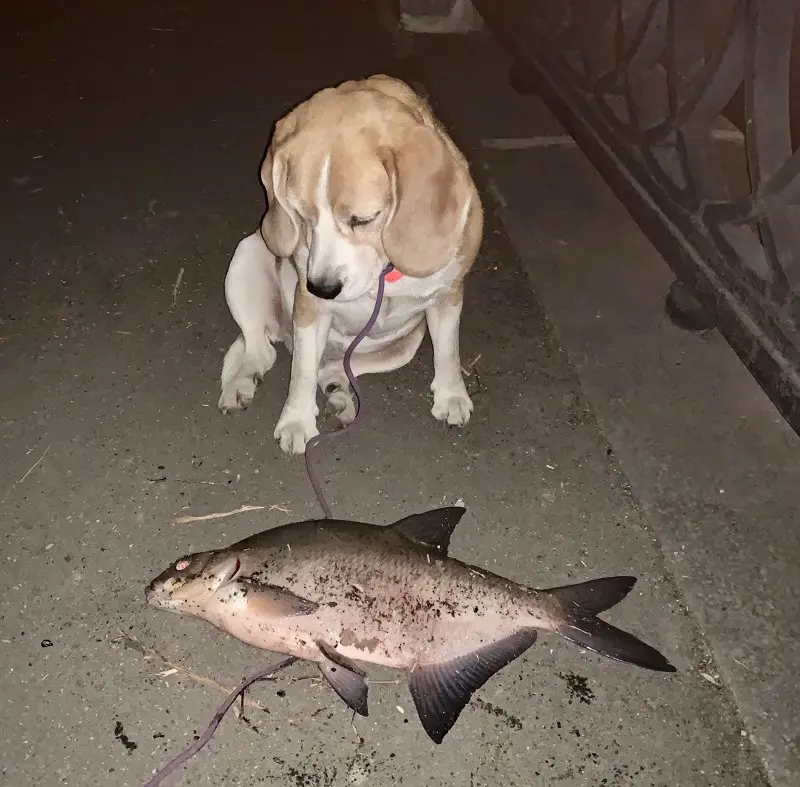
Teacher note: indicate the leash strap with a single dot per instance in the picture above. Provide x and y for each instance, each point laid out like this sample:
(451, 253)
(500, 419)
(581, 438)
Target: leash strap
(348, 370)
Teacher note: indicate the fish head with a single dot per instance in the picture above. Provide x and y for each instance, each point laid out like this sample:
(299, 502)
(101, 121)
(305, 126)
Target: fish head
(191, 582)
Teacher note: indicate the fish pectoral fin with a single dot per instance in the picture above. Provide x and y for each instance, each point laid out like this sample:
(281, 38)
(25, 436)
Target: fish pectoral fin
(275, 602)
(441, 691)
(346, 679)
(431, 529)
(333, 655)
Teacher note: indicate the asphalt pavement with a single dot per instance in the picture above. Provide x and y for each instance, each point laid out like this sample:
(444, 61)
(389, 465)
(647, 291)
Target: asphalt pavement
(130, 146)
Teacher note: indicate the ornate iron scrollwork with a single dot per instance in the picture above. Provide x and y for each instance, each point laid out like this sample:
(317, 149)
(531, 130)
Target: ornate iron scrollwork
(685, 108)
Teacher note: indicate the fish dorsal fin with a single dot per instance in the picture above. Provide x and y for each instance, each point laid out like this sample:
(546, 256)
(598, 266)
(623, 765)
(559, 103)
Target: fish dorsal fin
(441, 691)
(346, 679)
(431, 529)
(275, 602)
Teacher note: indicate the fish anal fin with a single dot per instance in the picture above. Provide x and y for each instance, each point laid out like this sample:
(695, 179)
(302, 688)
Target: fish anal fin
(441, 691)
(275, 602)
(431, 529)
(346, 679)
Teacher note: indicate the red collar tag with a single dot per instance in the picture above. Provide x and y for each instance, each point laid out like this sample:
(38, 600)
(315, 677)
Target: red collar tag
(393, 275)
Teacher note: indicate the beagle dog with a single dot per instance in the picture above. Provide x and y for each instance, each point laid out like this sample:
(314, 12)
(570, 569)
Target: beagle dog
(358, 176)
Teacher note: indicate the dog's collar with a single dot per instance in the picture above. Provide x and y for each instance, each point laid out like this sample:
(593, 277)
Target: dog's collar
(393, 275)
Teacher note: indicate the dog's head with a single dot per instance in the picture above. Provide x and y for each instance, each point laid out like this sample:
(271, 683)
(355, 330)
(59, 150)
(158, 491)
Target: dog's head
(358, 176)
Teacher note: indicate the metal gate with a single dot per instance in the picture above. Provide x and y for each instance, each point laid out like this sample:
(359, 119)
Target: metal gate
(684, 108)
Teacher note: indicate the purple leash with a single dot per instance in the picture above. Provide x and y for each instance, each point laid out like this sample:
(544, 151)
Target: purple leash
(269, 672)
(187, 754)
(315, 441)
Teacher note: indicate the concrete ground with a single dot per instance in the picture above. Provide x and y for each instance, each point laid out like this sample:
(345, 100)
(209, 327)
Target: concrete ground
(604, 440)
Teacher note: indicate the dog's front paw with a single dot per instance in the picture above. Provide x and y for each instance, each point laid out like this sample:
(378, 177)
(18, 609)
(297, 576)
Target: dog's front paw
(341, 404)
(242, 371)
(238, 394)
(452, 405)
(294, 430)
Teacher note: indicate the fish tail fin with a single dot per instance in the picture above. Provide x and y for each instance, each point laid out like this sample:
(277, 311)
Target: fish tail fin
(582, 603)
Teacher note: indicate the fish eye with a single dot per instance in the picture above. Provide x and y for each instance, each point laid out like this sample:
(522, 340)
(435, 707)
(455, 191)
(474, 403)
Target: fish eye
(182, 564)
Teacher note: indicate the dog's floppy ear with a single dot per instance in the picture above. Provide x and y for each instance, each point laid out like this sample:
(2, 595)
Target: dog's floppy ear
(280, 227)
(429, 195)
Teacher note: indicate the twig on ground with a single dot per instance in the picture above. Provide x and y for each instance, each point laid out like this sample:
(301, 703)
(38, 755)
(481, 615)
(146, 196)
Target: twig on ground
(163, 479)
(34, 465)
(466, 370)
(176, 286)
(185, 520)
(204, 483)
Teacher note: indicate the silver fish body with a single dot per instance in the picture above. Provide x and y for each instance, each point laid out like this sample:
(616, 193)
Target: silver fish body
(337, 592)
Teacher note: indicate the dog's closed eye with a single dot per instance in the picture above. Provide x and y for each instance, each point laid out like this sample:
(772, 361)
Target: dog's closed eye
(362, 221)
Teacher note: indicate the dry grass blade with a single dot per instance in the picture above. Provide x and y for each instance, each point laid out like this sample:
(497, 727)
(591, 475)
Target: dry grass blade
(34, 465)
(185, 520)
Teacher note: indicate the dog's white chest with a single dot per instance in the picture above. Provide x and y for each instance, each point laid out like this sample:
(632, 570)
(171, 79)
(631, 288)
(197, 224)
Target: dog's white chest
(396, 315)
(404, 304)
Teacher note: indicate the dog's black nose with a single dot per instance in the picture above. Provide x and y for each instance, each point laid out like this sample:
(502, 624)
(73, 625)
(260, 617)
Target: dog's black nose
(325, 291)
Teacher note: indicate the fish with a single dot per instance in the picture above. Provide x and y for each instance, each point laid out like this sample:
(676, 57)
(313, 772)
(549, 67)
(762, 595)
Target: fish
(342, 593)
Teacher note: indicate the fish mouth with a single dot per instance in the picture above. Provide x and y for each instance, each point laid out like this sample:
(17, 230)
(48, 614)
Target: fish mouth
(156, 596)
(160, 593)
(160, 598)
(175, 591)
(152, 595)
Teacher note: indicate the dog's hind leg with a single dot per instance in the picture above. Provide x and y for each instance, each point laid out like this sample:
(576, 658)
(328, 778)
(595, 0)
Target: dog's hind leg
(335, 386)
(252, 293)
